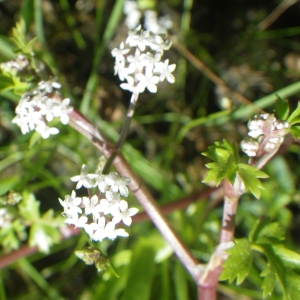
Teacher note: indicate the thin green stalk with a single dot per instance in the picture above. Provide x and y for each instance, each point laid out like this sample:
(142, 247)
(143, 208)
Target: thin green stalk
(39, 280)
(242, 113)
(124, 132)
(38, 20)
(246, 112)
(2, 290)
(129, 116)
(80, 42)
(99, 52)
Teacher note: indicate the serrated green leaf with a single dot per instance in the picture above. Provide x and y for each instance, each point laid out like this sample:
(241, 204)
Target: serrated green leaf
(295, 116)
(225, 157)
(265, 232)
(249, 176)
(286, 264)
(18, 34)
(238, 264)
(282, 108)
(269, 281)
(270, 233)
(222, 155)
(213, 174)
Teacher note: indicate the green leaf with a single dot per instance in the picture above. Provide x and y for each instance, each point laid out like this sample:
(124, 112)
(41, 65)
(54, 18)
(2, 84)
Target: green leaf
(295, 116)
(269, 281)
(238, 264)
(265, 232)
(225, 165)
(6, 82)
(139, 281)
(282, 108)
(20, 40)
(286, 265)
(295, 131)
(8, 183)
(11, 82)
(18, 34)
(249, 176)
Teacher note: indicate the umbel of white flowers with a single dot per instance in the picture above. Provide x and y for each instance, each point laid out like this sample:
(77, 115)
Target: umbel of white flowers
(266, 134)
(138, 61)
(39, 107)
(98, 214)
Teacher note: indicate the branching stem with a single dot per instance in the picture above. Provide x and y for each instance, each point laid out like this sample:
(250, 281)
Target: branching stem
(209, 281)
(141, 193)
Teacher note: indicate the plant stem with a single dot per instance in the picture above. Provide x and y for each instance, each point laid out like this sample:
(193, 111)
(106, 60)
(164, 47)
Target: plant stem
(25, 250)
(124, 132)
(141, 193)
(130, 112)
(209, 281)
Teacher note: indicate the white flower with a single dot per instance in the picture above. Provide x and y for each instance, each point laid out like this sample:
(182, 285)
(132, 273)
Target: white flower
(48, 86)
(165, 71)
(148, 60)
(117, 183)
(99, 218)
(125, 214)
(112, 233)
(36, 109)
(92, 227)
(71, 204)
(136, 39)
(62, 110)
(135, 62)
(133, 14)
(100, 182)
(151, 23)
(119, 53)
(100, 232)
(47, 108)
(110, 205)
(77, 222)
(131, 86)
(45, 130)
(137, 69)
(84, 179)
(147, 81)
(90, 204)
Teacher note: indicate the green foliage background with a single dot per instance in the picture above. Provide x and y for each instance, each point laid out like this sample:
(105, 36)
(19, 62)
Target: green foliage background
(169, 132)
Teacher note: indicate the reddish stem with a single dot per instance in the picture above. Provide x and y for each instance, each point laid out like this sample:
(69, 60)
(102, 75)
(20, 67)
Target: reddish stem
(209, 281)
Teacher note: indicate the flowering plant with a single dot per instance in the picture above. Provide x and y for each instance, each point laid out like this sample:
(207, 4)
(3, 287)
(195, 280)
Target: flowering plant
(98, 206)
(95, 203)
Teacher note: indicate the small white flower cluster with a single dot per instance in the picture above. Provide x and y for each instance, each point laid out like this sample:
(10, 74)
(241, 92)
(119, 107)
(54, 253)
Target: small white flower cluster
(19, 64)
(140, 62)
(103, 210)
(151, 21)
(41, 106)
(266, 134)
